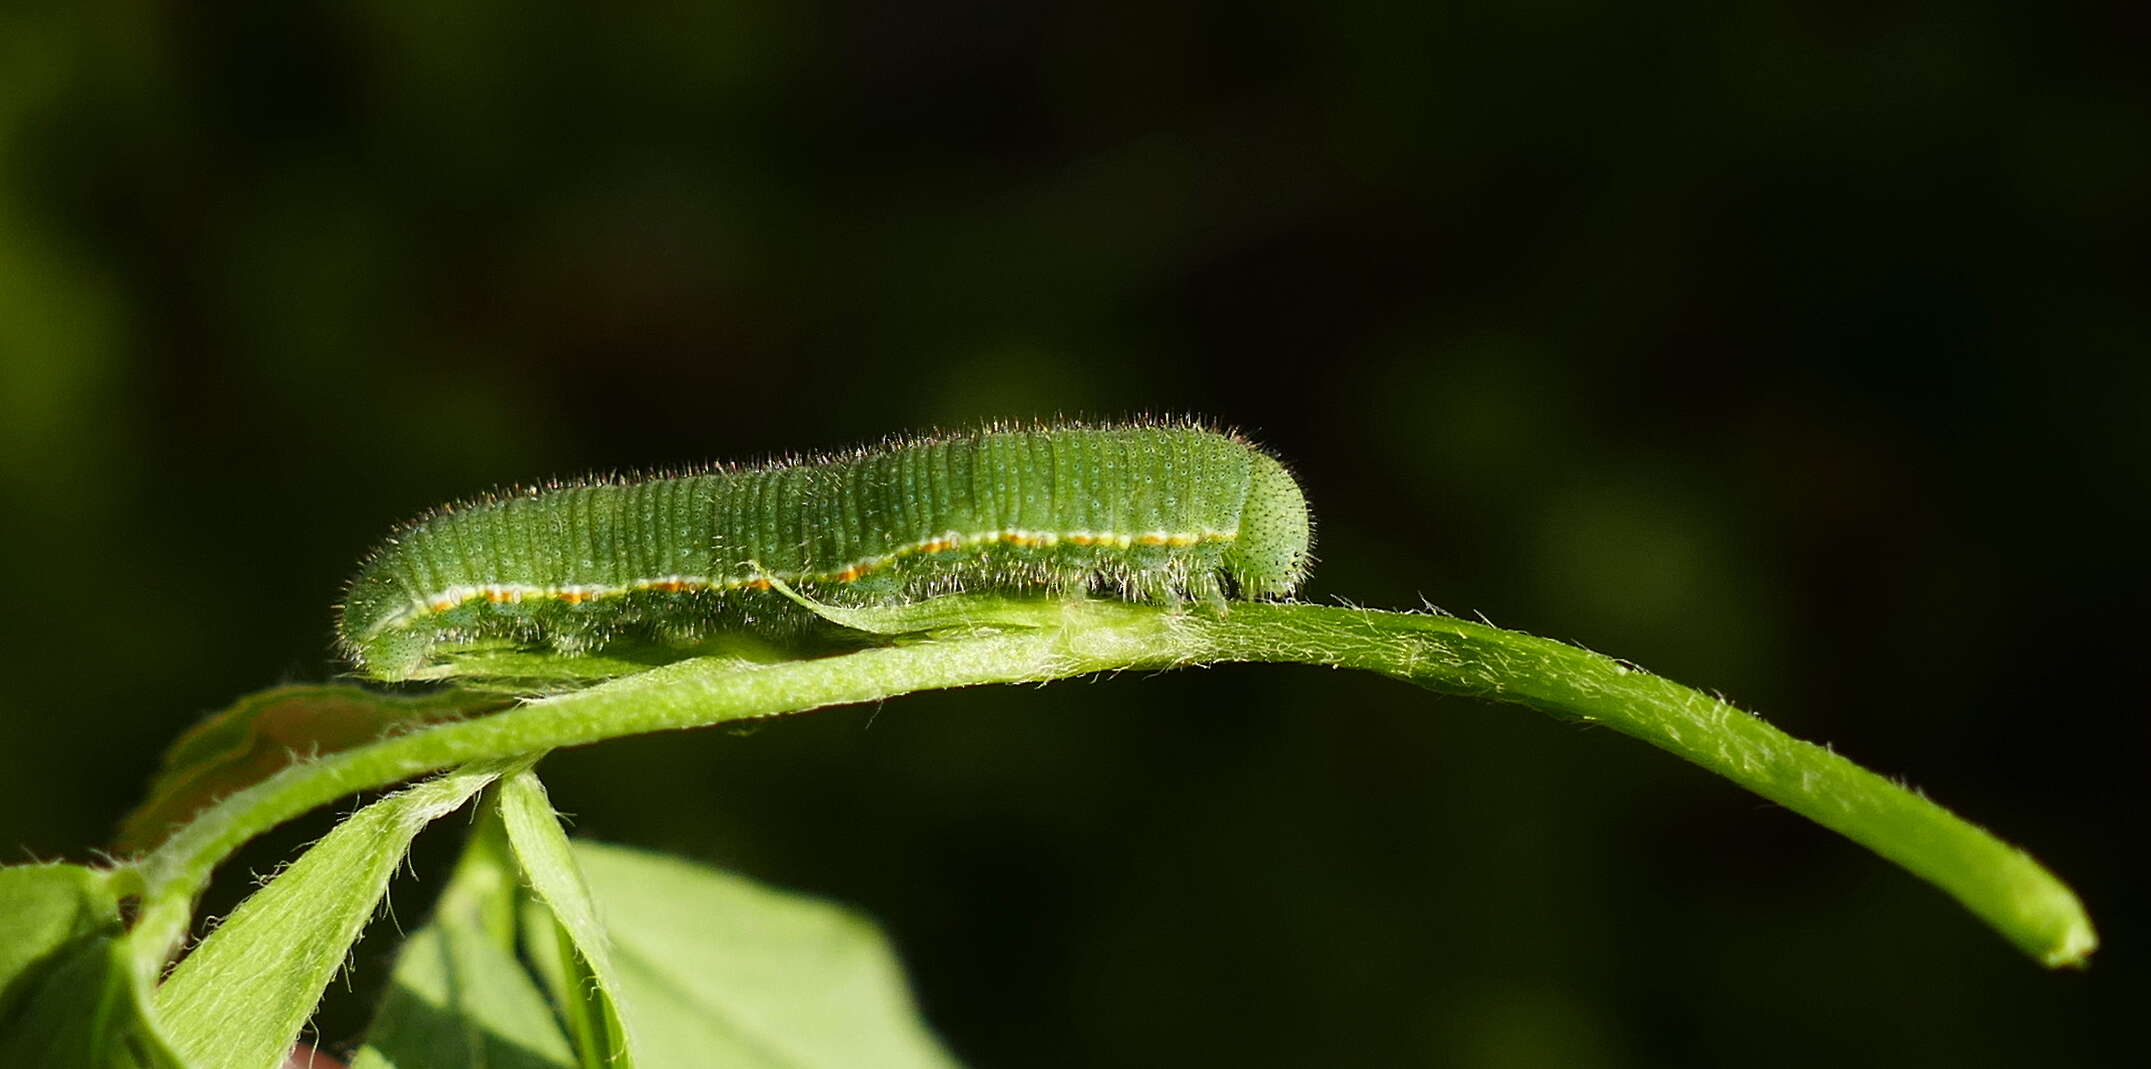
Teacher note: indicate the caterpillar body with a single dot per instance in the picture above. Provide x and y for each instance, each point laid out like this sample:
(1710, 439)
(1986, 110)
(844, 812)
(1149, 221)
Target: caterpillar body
(1155, 512)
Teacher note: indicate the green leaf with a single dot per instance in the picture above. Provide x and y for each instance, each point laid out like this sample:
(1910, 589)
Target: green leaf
(459, 997)
(89, 1011)
(239, 999)
(724, 971)
(68, 994)
(48, 907)
(262, 733)
(584, 981)
(721, 970)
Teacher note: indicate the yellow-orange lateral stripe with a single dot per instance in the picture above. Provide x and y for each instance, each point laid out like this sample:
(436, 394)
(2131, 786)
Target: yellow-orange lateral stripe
(502, 593)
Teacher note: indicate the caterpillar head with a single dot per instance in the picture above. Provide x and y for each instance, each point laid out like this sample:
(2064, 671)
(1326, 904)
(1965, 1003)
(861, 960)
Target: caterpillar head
(1271, 556)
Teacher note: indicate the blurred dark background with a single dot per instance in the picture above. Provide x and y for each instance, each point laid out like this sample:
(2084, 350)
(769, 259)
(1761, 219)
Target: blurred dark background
(1789, 351)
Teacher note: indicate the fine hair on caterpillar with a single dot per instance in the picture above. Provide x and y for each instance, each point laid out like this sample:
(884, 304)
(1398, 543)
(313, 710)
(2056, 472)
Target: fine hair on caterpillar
(1159, 512)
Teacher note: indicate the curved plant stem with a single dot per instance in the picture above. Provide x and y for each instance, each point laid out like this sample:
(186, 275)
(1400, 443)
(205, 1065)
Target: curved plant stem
(1030, 641)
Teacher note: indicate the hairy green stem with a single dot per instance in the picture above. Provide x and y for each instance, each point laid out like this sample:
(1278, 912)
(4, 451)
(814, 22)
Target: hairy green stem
(1037, 641)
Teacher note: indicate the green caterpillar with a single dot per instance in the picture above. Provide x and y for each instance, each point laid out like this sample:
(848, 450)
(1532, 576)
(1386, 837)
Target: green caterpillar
(1148, 511)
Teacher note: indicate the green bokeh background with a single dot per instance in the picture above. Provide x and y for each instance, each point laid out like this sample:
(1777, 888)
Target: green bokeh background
(1788, 351)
